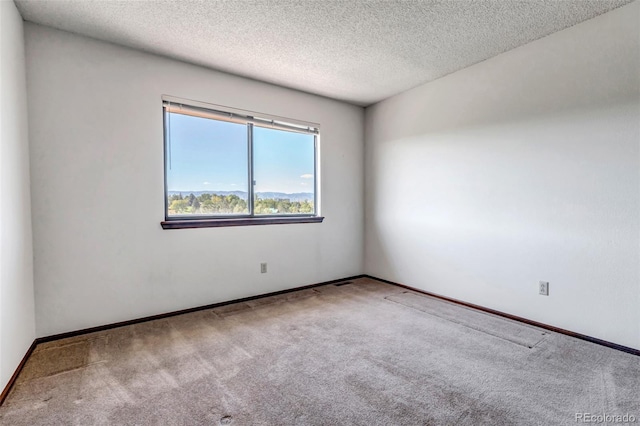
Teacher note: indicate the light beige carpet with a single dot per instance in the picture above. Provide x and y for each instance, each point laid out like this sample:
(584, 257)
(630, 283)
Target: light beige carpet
(365, 353)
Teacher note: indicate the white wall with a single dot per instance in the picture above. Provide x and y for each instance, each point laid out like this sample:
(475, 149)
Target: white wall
(97, 188)
(17, 319)
(522, 168)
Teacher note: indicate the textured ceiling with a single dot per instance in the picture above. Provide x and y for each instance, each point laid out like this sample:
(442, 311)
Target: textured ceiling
(353, 50)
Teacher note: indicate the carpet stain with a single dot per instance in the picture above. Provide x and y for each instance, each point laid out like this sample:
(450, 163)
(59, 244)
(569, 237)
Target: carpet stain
(502, 328)
(56, 359)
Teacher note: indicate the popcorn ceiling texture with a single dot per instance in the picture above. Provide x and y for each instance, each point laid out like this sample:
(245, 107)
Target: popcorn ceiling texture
(356, 51)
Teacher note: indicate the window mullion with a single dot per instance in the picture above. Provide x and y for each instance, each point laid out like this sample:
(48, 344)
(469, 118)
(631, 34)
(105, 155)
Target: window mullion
(315, 175)
(250, 194)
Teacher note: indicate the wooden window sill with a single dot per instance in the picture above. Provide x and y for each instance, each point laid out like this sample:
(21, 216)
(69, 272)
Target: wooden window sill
(244, 221)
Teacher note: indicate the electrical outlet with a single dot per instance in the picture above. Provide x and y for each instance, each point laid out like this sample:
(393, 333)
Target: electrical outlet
(263, 268)
(544, 288)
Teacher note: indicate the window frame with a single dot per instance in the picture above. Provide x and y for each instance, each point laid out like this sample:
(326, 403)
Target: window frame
(249, 119)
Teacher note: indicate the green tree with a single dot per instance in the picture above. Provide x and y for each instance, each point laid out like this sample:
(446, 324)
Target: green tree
(179, 206)
(207, 206)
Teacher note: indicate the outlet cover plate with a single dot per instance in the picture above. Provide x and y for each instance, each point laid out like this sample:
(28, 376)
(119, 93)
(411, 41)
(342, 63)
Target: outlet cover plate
(544, 288)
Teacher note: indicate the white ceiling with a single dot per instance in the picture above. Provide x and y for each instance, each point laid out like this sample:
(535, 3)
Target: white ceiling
(353, 50)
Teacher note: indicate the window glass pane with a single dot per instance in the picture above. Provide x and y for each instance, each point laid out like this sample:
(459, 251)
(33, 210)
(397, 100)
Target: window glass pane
(207, 167)
(283, 167)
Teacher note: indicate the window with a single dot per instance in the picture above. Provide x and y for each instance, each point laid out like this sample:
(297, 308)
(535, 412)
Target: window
(226, 167)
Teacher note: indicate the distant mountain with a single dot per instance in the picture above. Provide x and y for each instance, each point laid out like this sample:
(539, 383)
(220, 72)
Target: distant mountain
(240, 194)
(298, 196)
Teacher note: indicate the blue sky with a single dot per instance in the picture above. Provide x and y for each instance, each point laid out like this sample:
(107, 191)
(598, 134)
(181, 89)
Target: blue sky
(209, 155)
